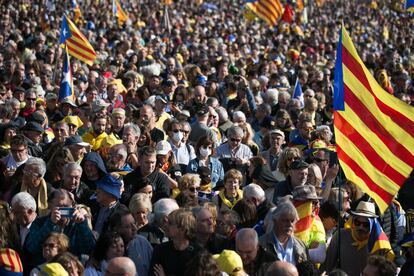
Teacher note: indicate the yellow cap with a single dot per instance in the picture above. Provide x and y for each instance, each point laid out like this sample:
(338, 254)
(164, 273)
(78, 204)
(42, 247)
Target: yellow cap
(229, 261)
(73, 120)
(118, 83)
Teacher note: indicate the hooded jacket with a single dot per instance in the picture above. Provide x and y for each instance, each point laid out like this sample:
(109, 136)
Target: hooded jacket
(97, 159)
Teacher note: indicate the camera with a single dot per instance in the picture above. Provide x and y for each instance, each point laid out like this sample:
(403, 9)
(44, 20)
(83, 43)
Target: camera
(66, 212)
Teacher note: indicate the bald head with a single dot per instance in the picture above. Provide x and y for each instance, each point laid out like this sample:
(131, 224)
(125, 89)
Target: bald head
(282, 269)
(121, 266)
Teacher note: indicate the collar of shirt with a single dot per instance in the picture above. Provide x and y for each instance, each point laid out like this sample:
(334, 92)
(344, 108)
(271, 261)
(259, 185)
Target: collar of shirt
(284, 254)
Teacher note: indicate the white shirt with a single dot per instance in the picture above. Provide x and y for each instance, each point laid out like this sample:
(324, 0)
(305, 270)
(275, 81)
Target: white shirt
(24, 231)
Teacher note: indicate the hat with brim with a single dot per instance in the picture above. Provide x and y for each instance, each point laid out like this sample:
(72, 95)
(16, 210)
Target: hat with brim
(229, 261)
(110, 185)
(69, 102)
(73, 120)
(185, 113)
(365, 209)
(163, 147)
(305, 192)
(75, 140)
(33, 126)
(298, 164)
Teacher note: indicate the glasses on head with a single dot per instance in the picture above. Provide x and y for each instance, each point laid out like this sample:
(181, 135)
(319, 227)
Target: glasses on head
(360, 223)
(31, 173)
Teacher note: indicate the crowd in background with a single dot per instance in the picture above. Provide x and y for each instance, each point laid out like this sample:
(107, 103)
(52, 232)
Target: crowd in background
(183, 151)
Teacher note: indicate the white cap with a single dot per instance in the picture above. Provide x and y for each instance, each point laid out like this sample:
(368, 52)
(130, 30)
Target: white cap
(163, 147)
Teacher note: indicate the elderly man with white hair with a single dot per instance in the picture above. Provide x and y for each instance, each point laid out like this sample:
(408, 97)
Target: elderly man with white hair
(255, 194)
(130, 137)
(72, 173)
(155, 232)
(281, 241)
(255, 259)
(24, 209)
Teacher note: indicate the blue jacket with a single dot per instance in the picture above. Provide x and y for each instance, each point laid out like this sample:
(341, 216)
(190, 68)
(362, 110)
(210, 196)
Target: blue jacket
(215, 166)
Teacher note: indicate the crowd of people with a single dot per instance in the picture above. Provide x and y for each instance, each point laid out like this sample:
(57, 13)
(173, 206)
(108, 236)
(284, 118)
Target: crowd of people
(182, 150)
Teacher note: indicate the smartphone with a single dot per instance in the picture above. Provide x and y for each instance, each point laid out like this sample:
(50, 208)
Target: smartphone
(66, 212)
(333, 159)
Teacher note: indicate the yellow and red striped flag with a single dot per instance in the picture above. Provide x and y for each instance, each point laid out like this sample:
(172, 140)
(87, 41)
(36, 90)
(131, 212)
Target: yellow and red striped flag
(268, 10)
(374, 130)
(119, 13)
(77, 44)
(304, 224)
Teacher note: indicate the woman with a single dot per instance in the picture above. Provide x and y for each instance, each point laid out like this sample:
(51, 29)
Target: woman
(189, 182)
(171, 258)
(288, 155)
(140, 206)
(70, 263)
(109, 245)
(59, 159)
(315, 178)
(34, 183)
(248, 137)
(6, 133)
(94, 169)
(54, 244)
(227, 198)
(284, 123)
(205, 150)
(179, 99)
(8, 229)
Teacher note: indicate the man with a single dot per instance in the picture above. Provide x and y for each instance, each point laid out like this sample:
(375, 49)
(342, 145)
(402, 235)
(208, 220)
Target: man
(161, 102)
(146, 120)
(33, 134)
(121, 266)
(75, 227)
(227, 222)
(108, 193)
(199, 128)
(234, 154)
(51, 105)
(23, 206)
(30, 98)
(277, 139)
(160, 182)
(137, 247)
(281, 242)
(282, 269)
(379, 266)
(297, 175)
(77, 147)
(255, 194)
(18, 154)
(96, 134)
(130, 137)
(200, 99)
(72, 173)
(183, 152)
(305, 128)
(353, 243)
(118, 120)
(117, 158)
(263, 111)
(99, 106)
(155, 232)
(255, 259)
(205, 232)
(114, 89)
(224, 122)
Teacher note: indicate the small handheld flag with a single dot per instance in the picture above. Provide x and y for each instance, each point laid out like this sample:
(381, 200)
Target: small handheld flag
(298, 94)
(66, 85)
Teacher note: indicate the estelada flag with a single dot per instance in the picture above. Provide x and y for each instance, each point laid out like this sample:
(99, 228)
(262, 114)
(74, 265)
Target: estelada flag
(77, 44)
(374, 130)
(119, 12)
(268, 10)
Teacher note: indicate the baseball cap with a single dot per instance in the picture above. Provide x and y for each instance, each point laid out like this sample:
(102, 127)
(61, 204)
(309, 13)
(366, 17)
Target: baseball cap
(99, 105)
(75, 140)
(163, 147)
(229, 261)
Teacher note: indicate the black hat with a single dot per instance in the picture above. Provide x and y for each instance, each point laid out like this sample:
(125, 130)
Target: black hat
(202, 110)
(33, 126)
(75, 140)
(37, 118)
(264, 176)
(298, 164)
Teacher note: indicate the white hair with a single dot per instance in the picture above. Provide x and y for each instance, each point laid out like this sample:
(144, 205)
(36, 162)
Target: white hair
(238, 115)
(287, 208)
(247, 234)
(254, 191)
(163, 208)
(71, 166)
(134, 127)
(39, 163)
(24, 200)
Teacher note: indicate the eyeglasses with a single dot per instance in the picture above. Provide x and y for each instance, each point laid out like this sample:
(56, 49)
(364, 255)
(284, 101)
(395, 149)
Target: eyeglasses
(185, 131)
(31, 173)
(194, 189)
(360, 223)
(50, 245)
(31, 99)
(235, 140)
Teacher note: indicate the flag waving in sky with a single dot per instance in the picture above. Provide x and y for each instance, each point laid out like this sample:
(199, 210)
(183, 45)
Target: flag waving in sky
(268, 10)
(374, 130)
(119, 13)
(77, 44)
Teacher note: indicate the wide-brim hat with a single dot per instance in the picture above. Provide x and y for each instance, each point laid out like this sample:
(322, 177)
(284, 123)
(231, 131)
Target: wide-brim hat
(305, 192)
(365, 209)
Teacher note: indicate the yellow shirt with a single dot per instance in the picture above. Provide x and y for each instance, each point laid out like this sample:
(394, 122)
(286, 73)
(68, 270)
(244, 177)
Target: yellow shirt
(96, 142)
(165, 116)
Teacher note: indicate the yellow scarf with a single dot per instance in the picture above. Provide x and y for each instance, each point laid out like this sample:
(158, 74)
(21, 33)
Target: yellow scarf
(358, 244)
(228, 202)
(41, 198)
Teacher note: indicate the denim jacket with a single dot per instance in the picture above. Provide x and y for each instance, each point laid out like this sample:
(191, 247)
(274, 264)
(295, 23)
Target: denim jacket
(216, 169)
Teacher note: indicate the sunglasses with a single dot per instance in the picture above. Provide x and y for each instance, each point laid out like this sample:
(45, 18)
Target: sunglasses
(31, 99)
(177, 130)
(185, 131)
(194, 189)
(360, 223)
(235, 140)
